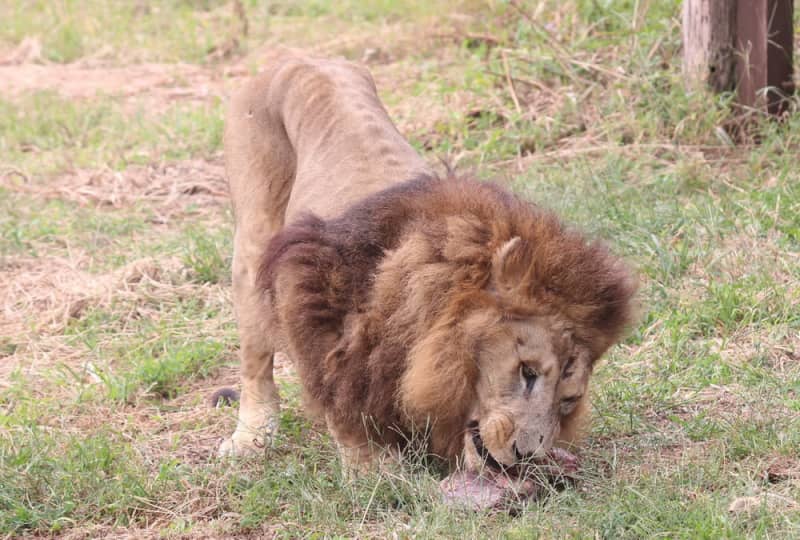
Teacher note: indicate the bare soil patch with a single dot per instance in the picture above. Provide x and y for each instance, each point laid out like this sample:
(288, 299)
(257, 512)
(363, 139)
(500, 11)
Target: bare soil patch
(23, 69)
(159, 83)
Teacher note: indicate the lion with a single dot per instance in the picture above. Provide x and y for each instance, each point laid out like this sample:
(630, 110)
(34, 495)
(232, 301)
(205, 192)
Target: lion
(404, 299)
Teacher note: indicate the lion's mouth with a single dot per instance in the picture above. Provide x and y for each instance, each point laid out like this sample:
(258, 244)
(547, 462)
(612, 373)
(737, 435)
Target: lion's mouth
(483, 452)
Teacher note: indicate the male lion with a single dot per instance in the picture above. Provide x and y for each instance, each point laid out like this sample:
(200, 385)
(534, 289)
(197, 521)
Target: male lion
(404, 300)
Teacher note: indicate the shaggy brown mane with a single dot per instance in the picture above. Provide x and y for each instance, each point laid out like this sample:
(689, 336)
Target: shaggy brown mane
(371, 303)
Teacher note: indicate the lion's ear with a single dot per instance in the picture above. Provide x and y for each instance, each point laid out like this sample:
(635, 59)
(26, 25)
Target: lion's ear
(511, 265)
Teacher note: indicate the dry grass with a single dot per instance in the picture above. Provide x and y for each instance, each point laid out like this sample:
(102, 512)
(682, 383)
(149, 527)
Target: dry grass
(169, 187)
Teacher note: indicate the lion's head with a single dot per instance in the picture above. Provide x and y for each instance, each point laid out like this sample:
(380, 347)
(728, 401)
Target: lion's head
(531, 377)
(452, 304)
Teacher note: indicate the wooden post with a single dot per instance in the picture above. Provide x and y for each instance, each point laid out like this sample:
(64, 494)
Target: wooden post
(709, 56)
(764, 42)
(740, 44)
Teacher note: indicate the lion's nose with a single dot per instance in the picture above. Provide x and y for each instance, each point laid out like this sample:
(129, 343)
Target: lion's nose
(522, 456)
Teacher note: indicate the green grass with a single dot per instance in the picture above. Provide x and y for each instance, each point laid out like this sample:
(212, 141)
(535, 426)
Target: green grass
(36, 227)
(162, 371)
(55, 481)
(45, 133)
(70, 29)
(184, 30)
(155, 357)
(208, 257)
(105, 426)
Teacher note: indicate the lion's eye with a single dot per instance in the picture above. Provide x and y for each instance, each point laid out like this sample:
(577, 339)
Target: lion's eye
(567, 404)
(566, 373)
(529, 375)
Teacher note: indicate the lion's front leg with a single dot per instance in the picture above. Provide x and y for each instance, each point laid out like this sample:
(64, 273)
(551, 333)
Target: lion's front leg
(259, 407)
(357, 453)
(259, 411)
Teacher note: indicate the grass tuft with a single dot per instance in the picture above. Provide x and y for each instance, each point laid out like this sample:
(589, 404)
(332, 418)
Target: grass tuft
(208, 257)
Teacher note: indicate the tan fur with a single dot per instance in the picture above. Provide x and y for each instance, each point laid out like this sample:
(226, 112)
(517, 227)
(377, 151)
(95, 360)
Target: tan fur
(292, 134)
(403, 299)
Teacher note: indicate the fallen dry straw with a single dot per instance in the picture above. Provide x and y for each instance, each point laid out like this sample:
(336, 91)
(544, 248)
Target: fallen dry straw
(169, 189)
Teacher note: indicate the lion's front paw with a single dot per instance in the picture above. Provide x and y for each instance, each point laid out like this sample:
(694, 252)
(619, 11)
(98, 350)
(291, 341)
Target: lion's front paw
(238, 448)
(248, 442)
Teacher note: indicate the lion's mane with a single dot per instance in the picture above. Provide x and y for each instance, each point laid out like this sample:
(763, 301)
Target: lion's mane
(370, 304)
